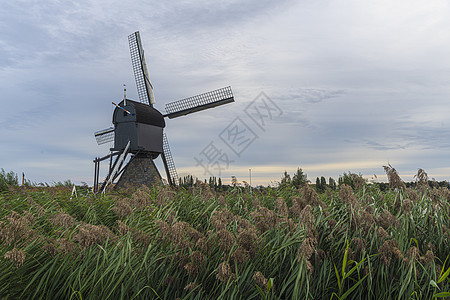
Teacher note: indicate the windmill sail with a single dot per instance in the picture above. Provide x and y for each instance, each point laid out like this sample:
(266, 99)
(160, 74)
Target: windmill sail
(143, 85)
(104, 136)
(169, 165)
(200, 102)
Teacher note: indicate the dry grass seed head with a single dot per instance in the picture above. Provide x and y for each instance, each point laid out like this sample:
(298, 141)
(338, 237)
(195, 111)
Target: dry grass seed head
(181, 234)
(224, 273)
(178, 234)
(386, 220)
(239, 256)
(427, 258)
(260, 280)
(207, 195)
(165, 229)
(358, 244)
(295, 209)
(89, 234)
(350, 254)
(382, 234)
(122, 228)
(16, 229)
(406, 206)
(265, 219)
(50, 248)
(309, 267)
(347, 196)
(66, 247)
(222, 201)
(140, 198)
(395, 182)
(16, 256)
(306, 217)
(388, 251)
(171, 216)
(141, 238)
(421, 178)
(29, 217)
(204, 244)
(225, 240)
(192, 286)
(358, 181)
(441, 196)
(332, 223)
(193, 235)
(220, 219)
(366, 221)
(255, 202)
(244, 224)
(412, 195)
(122, 208)
(62, 219)
(309, 195)
(281, 207)
(195, 264)
(306, 249)
(412, 255)
(249, 241)
(40, 211)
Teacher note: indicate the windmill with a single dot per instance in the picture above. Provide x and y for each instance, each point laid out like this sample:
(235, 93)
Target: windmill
(138, 129)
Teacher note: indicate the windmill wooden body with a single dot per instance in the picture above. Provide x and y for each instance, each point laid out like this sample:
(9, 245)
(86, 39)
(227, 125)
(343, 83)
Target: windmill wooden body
(139, 129)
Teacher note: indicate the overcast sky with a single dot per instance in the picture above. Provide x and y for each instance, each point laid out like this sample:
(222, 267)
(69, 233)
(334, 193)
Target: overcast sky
(350, 85)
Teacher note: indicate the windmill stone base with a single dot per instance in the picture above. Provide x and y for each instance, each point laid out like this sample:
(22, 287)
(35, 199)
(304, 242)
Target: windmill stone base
(141, 170)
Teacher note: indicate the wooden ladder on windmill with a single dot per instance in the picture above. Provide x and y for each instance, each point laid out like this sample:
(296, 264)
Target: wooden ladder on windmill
(169, 165)
(115, 171)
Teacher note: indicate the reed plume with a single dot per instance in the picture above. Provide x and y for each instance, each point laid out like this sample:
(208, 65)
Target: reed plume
(224, 273)
(16, 256)
(395, 182)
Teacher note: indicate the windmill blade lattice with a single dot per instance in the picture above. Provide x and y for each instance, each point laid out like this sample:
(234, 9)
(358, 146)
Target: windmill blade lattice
(143, 85)
(169, 164)
(104, 136)
(200, 102)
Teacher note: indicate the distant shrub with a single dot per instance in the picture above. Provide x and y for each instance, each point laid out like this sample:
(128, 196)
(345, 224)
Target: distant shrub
(8, 179)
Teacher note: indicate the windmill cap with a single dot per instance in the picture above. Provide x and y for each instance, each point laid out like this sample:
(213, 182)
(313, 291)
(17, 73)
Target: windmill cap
(142, 113)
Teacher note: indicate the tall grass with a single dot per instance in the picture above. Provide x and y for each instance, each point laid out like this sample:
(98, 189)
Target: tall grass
(276, 243)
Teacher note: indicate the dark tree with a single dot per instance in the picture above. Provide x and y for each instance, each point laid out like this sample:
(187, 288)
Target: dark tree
(323, 183)
(299, 178)
(332, 183)
(318, 186)
(285, 180)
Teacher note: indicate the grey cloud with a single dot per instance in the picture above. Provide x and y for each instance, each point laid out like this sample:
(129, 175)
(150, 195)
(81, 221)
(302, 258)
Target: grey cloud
(204, 15)
(383, 147)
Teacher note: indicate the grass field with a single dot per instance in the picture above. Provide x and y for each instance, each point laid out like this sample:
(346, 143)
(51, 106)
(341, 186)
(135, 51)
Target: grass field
(196, 243)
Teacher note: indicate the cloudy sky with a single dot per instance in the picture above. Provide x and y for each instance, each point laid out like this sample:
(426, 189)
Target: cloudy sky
(339, 86)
